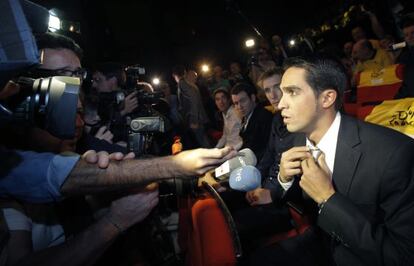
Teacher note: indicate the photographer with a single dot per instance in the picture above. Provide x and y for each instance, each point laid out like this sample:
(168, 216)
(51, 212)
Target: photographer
(109, 81)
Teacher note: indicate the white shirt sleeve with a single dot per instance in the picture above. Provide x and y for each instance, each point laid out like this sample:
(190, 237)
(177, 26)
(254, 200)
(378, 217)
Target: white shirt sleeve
(286, 185)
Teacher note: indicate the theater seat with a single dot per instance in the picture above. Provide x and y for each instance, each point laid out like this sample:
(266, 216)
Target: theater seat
(213, 240)
(300, 224)
(374, 87)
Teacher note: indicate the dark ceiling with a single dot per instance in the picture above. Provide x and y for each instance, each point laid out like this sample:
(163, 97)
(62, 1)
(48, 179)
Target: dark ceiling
(159, 34)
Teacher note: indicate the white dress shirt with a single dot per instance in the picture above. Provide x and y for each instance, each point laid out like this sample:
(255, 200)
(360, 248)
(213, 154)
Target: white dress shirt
(327, 145)
(231, 130)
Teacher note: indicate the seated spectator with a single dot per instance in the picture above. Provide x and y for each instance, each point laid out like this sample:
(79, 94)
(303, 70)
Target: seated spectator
(407, 58)
(386, 43)
(264, 63)
(369, 58)
(236, 73)
(347, 49)
(256, 121)
(407, 54)
(218, 80)
(232, 121)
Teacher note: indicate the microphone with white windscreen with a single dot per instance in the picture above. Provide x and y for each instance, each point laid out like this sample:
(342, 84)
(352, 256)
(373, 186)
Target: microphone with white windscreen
(244, 157)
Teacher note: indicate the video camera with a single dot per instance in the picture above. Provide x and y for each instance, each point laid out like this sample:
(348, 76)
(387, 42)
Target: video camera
(47, 102)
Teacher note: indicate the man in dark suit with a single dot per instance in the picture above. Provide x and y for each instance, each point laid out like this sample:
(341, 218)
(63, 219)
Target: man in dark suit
(191, 106)
(256, 121)
(357, 178)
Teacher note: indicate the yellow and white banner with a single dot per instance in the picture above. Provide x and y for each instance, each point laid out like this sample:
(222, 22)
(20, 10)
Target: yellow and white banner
(395, 114)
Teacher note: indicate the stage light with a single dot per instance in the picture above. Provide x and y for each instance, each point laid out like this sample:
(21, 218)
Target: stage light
(292, 42)
(156, 81)
(249, 43)
(205, 68)
(54, 22)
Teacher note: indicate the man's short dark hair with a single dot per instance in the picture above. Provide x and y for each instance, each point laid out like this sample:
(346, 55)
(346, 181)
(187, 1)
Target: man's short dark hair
(223, 90)
(322, 73)
(407, 22)
(112, 69)
(275, 71)
(243, 86)
(57, 41)
(179, 70)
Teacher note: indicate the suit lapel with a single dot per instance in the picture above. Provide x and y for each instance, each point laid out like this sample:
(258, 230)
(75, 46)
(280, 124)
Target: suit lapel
(347, 154)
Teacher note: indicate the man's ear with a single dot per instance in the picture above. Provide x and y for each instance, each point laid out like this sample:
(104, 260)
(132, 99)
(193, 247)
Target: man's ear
(328, 98)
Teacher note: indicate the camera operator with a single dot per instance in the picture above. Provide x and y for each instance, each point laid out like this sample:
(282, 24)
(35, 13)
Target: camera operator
(109, 80)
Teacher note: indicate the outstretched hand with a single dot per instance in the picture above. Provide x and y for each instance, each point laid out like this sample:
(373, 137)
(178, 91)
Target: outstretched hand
(199, 161)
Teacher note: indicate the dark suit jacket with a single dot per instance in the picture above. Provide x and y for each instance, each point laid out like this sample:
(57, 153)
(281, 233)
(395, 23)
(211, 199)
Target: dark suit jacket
(256, 134)
(370, 218)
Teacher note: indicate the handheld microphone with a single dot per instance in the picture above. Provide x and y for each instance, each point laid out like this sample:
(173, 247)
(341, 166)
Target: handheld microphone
(245, 178)
(244, 157)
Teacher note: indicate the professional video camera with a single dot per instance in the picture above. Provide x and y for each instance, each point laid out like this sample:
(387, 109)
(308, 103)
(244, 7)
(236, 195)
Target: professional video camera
(47, 102)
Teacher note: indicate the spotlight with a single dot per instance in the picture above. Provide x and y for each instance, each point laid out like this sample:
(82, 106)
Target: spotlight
(156, 81)
(292, 42)
(205, 68)
(54, 22)
(249, 43)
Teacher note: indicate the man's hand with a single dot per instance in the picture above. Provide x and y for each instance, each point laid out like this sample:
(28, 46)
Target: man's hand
(105, 134)
(102, 158)
(316, 179)
(130, 103)
(259, 196)
(199, 161)
(290, 162)
(131, 209)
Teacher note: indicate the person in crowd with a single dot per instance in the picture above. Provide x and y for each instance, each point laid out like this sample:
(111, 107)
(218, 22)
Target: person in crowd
(256, 121)
(362, 208)
(347, 49)
(236, 73)
(406, 58)
(110, 77)
(279, 52)
(218, 79)
(190, 106)
(407, 55)
(232, 122)
(369, 58)
(116, 103)
(263, 61)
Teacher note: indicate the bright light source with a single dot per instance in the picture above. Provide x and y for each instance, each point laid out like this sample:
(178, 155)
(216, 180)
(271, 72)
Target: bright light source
(156, 81)
(54, 22)
(71, 28)
(292, 42)
(205, 68)
(249, 43)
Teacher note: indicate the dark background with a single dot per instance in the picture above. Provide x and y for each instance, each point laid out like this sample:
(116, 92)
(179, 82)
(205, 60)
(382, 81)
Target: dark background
(159, 34)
